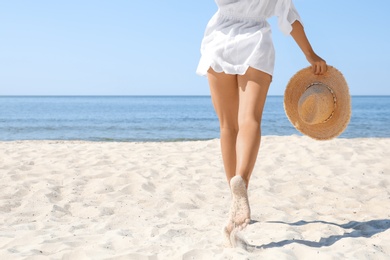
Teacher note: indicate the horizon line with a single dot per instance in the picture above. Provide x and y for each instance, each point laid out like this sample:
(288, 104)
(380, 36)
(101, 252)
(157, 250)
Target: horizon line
(147, 95)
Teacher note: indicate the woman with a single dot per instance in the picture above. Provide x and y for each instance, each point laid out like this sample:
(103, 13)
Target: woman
(238, 59)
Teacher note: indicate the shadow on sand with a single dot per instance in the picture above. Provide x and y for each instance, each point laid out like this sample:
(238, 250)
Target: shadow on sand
(355, 229)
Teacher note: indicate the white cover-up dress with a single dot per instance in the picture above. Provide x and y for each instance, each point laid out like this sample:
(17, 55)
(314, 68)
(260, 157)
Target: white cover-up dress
(238, 36)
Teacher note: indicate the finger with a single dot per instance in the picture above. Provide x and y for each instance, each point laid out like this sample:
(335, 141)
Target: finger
(314, 68)
(318, 70)
(321, 69)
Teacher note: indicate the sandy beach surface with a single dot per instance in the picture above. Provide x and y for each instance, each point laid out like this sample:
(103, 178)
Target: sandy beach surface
(114, 200)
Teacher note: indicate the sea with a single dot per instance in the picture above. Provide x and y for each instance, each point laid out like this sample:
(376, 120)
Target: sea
(157, 118)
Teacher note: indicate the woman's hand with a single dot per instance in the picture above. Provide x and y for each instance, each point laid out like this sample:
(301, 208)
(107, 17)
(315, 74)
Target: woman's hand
(318, 64)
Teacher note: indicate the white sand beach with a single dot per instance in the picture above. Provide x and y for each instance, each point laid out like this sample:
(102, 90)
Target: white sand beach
(115, 200)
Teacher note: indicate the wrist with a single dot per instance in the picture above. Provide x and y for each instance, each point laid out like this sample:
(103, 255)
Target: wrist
(309, 52)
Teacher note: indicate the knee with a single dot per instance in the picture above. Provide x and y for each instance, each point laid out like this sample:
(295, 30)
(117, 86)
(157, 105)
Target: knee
(228, 127)
(231, 130)
(249, 122)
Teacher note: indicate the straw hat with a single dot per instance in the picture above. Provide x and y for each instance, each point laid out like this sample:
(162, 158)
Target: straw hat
(319, 106)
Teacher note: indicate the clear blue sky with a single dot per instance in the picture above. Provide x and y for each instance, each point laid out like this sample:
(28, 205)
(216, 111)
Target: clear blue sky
(96, 47)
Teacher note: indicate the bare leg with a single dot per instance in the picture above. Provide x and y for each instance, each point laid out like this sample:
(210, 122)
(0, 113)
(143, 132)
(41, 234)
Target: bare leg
(239, 102)
(224, 95)
(253, 89)
(225, 98)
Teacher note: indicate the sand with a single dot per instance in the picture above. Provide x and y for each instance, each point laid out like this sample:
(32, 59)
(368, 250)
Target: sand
(93, 200)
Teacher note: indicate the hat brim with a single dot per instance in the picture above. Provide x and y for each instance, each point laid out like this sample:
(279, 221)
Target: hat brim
(342, 113)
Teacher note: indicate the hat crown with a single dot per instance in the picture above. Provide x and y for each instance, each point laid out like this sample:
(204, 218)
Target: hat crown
(316, 105)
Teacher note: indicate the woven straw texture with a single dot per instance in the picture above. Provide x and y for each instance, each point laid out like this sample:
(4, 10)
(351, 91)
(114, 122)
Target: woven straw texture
(342, 113)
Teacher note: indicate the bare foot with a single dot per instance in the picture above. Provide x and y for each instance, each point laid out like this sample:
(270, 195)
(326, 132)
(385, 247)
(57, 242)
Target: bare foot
(239, 215)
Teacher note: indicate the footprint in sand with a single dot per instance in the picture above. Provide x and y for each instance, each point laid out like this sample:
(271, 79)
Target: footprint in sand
(239, 215)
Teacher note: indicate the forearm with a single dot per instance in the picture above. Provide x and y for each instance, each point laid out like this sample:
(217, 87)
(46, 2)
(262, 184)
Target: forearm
(299, 35)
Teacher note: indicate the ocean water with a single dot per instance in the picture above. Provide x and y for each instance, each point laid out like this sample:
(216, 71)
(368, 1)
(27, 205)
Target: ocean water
(156, 118)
